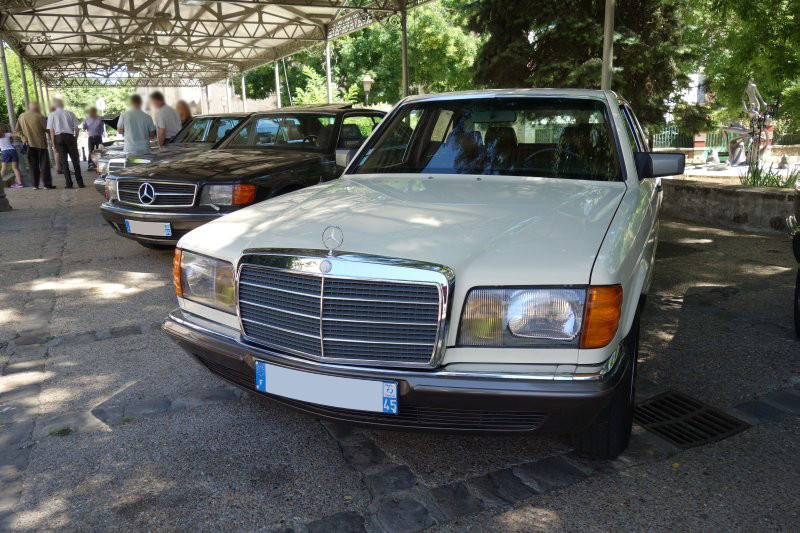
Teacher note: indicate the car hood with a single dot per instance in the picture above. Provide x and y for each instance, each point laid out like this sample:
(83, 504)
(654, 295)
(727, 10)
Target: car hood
(490, 230)
(222, 164)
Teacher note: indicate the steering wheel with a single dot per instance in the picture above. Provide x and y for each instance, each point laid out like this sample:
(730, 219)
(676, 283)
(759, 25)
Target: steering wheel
(554, 149)
(310, 138)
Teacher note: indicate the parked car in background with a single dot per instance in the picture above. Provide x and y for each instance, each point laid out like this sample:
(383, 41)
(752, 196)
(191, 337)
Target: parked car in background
(204, 132)
(480, 266)
(269, 154)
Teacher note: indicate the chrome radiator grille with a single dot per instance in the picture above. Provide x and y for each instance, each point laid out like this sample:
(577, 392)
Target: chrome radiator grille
(329, 317)
(166, 194)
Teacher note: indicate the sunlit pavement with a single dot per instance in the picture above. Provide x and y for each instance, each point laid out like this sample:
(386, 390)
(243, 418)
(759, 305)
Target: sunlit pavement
(105, 424)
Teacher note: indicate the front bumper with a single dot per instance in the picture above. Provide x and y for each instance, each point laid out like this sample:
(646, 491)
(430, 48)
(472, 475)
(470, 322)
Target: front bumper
(428, 399)
(181, 222)
(100, 185)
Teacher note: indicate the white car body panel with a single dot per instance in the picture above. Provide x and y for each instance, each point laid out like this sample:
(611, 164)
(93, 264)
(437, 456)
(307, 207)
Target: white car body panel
(490, 230)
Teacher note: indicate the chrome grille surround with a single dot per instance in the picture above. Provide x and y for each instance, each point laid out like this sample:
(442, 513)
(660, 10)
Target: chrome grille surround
(116, 163)
(297, 273)
(167, 193)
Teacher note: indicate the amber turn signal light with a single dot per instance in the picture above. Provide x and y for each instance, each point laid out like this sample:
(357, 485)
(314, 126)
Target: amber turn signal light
(243, 194)
(603, 310)
(176, 273)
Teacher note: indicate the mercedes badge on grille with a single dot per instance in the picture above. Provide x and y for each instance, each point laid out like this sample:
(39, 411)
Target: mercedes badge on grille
(147, 193)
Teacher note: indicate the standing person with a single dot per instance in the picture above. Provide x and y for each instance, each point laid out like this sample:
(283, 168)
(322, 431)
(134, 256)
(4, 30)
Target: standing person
(183, 112)
(32, 129)
(136, 127)
(9, 156)
(95, 128)
(168, 121)
(64, 127)
(55, 150)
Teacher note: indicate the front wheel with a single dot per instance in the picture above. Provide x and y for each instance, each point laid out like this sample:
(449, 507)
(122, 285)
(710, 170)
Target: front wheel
(609, 434)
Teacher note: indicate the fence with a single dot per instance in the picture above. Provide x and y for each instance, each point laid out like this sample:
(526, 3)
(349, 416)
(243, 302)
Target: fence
(671, 137)
(788, 138)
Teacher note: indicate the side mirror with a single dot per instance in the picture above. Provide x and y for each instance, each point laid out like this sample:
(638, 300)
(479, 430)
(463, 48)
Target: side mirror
(657, 164)
(344, 156)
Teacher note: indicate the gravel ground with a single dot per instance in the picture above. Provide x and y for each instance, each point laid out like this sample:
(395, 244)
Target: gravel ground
(155, 442)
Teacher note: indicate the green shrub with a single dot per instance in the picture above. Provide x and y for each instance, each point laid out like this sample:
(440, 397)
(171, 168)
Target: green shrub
(761, 176)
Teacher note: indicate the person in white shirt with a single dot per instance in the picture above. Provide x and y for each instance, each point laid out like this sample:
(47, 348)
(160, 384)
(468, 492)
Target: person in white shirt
(64, 127)
(168, 121)
(136, 127)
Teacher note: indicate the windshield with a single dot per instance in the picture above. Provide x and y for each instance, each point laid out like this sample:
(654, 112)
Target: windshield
(306, 131)
(544, 137)
(207, 129)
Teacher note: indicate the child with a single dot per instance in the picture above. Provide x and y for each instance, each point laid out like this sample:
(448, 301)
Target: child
(9, 155)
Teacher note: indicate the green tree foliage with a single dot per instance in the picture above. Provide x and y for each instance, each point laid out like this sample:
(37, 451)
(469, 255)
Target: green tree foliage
(559, 44)
(441, 53)
(16, 86)
(78, 100)
(316, 90)
(739, 40)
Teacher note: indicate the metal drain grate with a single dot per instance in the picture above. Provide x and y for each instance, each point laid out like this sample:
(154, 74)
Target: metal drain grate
(684, 421)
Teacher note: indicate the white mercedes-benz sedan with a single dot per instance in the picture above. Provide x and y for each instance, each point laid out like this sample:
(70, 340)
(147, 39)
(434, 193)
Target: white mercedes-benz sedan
(480, 266)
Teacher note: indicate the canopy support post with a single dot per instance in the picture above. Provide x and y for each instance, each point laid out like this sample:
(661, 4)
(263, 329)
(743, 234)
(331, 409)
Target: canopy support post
(7, 86)
(404, 46)
(244, 95)
(608, 46)
(35, 87)
(328, 67)
(24, 79)
(277, 85)
(227, 95)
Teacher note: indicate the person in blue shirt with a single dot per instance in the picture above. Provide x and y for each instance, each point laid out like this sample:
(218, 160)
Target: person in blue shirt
(136, 127)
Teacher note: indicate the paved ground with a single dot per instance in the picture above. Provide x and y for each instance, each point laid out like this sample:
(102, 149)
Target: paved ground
(105, 424)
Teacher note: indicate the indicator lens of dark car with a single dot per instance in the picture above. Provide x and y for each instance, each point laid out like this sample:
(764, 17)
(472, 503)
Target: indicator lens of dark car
(522, 317)
(207, 281)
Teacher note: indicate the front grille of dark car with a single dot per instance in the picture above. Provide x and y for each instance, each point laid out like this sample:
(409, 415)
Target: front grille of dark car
(166, 194)
(340, 319)
(409, 416)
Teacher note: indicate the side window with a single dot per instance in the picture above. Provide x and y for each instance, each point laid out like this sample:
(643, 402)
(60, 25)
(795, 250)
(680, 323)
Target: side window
(355, 129)
(196, 131)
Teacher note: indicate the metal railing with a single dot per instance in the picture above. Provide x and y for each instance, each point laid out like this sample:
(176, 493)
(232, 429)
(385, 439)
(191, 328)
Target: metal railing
(671, 137)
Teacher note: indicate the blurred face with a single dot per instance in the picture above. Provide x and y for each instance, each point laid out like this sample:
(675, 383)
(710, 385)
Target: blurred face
(93, 113)
(34, 107)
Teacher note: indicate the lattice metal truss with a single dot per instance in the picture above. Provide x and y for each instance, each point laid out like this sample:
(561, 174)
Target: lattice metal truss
(79, 43)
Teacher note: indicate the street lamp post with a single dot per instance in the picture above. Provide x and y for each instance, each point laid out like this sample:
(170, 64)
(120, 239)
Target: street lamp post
(367, 82)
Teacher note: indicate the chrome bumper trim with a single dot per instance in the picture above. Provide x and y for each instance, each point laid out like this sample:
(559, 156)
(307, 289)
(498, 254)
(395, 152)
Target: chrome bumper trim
(582, 373)
(158, 215)
(793, 225)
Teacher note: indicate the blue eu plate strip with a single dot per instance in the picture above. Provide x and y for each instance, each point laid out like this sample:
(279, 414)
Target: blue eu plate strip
(127, 225)
(261, 377)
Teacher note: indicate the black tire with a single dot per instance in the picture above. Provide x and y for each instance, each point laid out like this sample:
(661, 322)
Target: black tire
(156, 246)
(797, 305)
(609, 434)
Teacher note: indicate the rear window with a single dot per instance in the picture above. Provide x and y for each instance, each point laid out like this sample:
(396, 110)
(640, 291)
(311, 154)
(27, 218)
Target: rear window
(544, 137)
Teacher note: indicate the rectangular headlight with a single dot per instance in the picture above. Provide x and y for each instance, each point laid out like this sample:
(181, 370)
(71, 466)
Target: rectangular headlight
(102, 167)
(206, 280)
(522, 317)
(235, 194)
(111, 189)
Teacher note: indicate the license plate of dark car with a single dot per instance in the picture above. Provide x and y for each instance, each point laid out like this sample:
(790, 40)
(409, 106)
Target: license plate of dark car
(323, 389)
(153, 229)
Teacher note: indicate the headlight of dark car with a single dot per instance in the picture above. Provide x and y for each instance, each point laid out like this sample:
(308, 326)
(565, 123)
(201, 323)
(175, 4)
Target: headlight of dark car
(518, 317)
(204, 280)
(102, 167)
(232, 194)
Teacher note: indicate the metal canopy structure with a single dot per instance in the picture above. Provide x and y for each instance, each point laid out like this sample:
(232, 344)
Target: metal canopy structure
(84, 43)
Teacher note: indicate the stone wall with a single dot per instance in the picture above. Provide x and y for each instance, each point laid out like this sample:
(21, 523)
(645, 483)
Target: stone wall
(729, 206)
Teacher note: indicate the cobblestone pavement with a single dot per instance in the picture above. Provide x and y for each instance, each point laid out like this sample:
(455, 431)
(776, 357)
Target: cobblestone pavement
(105, 424)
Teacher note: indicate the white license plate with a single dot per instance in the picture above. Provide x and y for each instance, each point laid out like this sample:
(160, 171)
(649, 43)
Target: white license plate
(154, 229)
(332, 391)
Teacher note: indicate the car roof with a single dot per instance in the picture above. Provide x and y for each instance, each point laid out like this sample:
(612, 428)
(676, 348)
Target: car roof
(224, 115)
(495, 93)
(320, 108)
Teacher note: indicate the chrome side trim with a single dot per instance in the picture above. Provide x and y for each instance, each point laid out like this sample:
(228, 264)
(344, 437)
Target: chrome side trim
(582, 373)
(361, 267)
